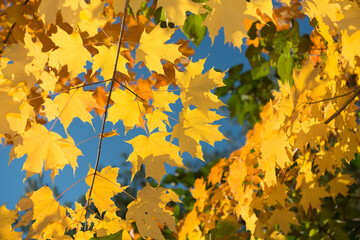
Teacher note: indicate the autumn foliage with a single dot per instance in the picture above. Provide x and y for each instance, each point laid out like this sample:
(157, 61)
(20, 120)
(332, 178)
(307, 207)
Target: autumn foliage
(62, 60)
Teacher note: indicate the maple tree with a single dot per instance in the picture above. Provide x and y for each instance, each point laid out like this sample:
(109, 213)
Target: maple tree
(57, 64)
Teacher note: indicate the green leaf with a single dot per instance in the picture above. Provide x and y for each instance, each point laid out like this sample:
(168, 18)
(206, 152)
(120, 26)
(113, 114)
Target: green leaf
(261, 71)
(193, 29)
(286, 65)
(114, 236)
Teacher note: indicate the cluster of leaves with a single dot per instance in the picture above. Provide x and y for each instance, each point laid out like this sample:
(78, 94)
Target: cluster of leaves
(275, 48)
(60, 61)
(57, 62)
(296, 177)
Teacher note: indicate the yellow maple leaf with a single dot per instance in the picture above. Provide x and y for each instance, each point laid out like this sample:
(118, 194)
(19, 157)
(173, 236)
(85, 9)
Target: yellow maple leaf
(19, 70)
(105, 187)
(71, 52)
(18, 121)
(175, 11)
(48, 81)
(91, 18)
(277, 193)
(193, 127)
(110, 224)
(152, 49)
(126, 108)
(339, 185)
(274, 152)
(8, 217)
(51, 109)
(105, 60)
(50, 217)
(119, 5)
(8, 107)
(69, 9)
(199, 190)
(80, 235)
(349, 47)
(149, 208)
(312, 133)
(153, 152)
(284, 218)
(74, 104)
(305, 79)
(37, 56)
(311, 195)
(230, 15)
(45, 149)
(162, 98)
(196, 87)
(157, 119)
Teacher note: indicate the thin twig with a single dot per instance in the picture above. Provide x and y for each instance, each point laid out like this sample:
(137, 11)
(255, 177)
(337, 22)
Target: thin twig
(357, 92)
(10, 31)
(332, 98)
(108, 103)
(130, 90)
(71, 88)
(7, 36)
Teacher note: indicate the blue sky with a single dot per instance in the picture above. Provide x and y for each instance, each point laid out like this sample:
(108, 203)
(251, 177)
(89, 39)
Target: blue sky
(220, 56)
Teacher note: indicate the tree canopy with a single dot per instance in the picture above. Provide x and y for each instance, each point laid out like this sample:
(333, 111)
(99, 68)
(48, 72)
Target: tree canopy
(62, 60)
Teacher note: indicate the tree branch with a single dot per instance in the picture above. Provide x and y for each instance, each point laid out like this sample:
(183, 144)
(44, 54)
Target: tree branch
(357, 92)
(108, 103)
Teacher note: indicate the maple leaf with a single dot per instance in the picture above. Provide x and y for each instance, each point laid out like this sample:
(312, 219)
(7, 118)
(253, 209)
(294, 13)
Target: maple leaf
(126, 108)
(157, 119)
(70, 10)
(18, 71)
(175, 11)
(45, 149)
(105, 187)
(230, 15)
(110, 224)
(349, 47)
(91, 18)
(162, 98)
(8, 217)
(161, 101)
(77, 215)
(50, 217)
(9, 106)
(193, 127)
(153, 152)
(149, 208)
(311, 195)
(152, 49)
(18, 121)
(119, 5)
(196, 87)
(48, 81)
(312, 133)
(105, 60)
(70, 45)
(305, 79)
(74, 104)
(199, 191)
(277, 193)
(284, 218)
(339, 185)
(274, 152)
